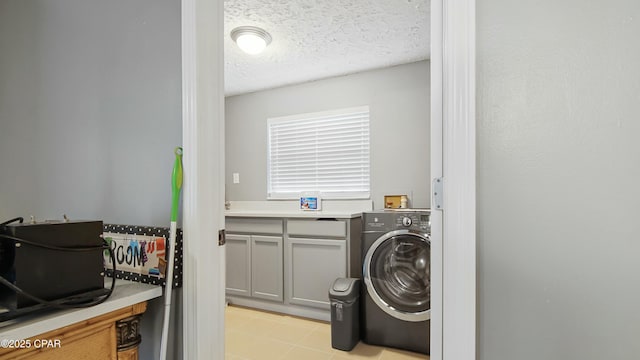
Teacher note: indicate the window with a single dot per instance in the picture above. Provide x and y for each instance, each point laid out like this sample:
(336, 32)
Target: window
(325, 152)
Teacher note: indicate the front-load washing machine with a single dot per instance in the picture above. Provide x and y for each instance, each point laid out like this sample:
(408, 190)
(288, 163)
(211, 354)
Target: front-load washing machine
(396, 257)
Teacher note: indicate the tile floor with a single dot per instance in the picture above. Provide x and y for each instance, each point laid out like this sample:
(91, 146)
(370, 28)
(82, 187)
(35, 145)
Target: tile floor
(258, 335)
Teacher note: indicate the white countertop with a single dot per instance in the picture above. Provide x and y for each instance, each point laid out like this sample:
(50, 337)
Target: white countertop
(293, 214)
(125, 293)
(290, 209)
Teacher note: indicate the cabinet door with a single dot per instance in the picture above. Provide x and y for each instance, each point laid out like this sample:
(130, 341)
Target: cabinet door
(266, 267)
(238, 260)
(312, 265)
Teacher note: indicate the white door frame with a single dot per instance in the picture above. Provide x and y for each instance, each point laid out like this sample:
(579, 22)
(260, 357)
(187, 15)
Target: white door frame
(203, 193)
(436, 172)
(452, 158)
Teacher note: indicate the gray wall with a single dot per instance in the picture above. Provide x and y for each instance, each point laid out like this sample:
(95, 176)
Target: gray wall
(558, 180)
(398, 99)
(90, 113)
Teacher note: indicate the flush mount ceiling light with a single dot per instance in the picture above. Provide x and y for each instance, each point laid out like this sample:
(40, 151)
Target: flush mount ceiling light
(251, 39)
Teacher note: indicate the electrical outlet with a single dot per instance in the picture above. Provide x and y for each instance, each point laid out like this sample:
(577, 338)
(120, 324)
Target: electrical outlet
(236, 178)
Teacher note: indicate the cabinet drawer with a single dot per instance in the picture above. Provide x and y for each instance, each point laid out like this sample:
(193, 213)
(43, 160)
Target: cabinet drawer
(329, 228)
(253, 225)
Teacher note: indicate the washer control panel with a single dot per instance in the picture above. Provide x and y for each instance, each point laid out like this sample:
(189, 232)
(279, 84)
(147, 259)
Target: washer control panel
(384, 221)
(413, 221)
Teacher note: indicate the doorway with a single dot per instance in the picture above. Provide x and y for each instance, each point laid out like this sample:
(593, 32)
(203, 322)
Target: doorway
(395, 98)
(458, 208)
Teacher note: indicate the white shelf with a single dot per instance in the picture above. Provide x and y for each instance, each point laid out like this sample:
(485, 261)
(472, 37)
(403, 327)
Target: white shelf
(126, 293)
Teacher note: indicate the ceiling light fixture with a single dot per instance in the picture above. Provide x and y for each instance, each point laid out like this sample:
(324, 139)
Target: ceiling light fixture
(251, 39)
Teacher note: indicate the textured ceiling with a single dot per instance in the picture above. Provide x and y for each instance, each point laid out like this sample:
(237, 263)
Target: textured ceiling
(316, 39)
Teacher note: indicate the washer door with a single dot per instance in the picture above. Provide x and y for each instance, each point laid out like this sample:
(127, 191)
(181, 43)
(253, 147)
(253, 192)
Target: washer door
(397, 274)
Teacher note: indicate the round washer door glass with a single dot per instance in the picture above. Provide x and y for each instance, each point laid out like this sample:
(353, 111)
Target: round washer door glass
(397, 270)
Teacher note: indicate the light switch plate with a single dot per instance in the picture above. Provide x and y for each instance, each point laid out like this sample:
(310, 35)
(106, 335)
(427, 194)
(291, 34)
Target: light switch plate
(236, 178)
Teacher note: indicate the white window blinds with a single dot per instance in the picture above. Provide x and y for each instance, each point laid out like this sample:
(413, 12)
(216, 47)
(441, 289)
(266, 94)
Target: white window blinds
(324, 152)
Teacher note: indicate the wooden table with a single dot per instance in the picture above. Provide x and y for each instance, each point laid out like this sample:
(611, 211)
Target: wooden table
(106, 331)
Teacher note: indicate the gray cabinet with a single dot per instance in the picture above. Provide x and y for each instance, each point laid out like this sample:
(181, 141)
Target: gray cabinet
(266, 267)
(316, 254)
(254, 266)
(311, 267)
(288, 264)
(238, 262)
(254, 261)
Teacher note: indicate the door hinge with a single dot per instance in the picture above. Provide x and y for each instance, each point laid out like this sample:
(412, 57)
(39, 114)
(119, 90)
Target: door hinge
(222, 237)
(437, 194)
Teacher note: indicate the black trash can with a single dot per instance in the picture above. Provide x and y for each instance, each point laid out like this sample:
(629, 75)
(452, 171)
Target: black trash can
(344, 296)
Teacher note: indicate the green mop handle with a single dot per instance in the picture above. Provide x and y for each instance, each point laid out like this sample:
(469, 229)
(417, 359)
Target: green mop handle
(176, 184)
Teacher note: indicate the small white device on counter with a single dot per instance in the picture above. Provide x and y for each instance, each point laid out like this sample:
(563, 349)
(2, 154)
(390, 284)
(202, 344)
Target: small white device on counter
(310, 202)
